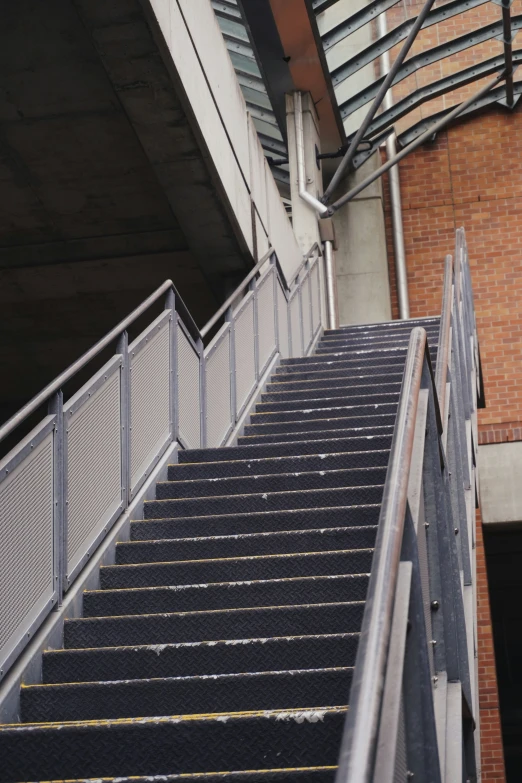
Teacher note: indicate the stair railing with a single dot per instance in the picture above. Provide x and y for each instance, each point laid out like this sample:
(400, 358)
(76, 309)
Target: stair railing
(413, 705)
(64, 485)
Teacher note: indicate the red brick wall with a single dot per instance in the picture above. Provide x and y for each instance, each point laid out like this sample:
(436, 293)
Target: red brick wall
(492, 755)
(470, 176)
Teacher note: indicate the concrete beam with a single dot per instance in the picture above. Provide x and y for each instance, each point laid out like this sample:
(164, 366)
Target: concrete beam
(500, 468)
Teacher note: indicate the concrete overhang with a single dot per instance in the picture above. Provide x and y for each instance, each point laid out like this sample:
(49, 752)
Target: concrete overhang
(127, 156)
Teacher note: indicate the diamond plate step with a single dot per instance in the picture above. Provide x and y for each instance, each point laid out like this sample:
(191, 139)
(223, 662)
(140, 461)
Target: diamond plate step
(367, 425)
(341, 370)
(265, 521)
(213, 625)
(377, 340)
(343, 352)
(356, 365)
(188, 572)
(191, 659)
(265, 501)
(225, 595)
(391, 352)
(387, 326)
(302, 775)
(276, 482)
(318, 443)
(244, 545)
(332, 401)
(161, 746)
(263, 467)
(277, 690)
(344, 379)
(328, 392)
(358, 413)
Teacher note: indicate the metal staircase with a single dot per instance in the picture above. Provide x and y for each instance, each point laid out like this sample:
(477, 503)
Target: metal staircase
(275, 587)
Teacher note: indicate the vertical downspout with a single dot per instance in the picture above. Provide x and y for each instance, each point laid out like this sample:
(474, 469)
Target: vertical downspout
(321, 209)
(395, 192)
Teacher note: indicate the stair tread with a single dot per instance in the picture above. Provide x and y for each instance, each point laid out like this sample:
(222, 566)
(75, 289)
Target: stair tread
(309, 651)
(225, 595)
(281, 481)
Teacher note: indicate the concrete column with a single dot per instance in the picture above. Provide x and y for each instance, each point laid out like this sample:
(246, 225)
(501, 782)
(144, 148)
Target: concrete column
(304, 217)
(362, 262)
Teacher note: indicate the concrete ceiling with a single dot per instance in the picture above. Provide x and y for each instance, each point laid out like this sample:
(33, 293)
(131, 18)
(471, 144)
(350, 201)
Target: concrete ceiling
(97, 156)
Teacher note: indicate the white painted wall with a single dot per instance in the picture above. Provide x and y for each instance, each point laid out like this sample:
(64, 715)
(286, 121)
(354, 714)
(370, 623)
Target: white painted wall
(200, 57)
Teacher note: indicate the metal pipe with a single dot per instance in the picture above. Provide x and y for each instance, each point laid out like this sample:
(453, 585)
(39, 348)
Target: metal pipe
(383, 89)
(395, 192)
(58, 382)
(300, 154)
(362, 722)
(508, 50)
(331, 286)
(437, 126)
(441, 372)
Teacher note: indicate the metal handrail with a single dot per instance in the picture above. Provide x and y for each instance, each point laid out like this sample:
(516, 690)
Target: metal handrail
(355, 763)
(443, 358)
(233, 296)
(55, 385)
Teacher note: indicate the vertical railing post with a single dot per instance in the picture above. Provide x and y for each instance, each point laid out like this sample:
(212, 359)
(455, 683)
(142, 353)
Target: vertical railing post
(276, 299)
(170, 304)
(253, 287)
(202, 393)
(55, 408)
(229, 318)
(125, 402)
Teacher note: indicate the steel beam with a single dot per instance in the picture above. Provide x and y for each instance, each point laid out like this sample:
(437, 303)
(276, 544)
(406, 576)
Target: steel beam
(354, 22)
(383, 89)
(433, 90)
(508, 49)
(427, 57)
(441, 123)
(495, 96)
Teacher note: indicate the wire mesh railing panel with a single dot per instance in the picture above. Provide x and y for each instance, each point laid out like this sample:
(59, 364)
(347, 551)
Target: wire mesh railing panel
(266, 319)
(188, 388)
(306, 309)
(282, 323)
(93, 459)
(150, 389)
(245, 352)
(27, 567)
(218, 388)
(295, 324)
(65, 485)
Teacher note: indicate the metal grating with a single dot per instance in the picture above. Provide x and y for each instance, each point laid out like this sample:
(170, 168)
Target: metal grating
(189, 424)
(306, 304)
(315, 293)
(150, 425)
(245, 352)
(295, 325)
(26, 535)
(93, 462)
(282, 323)
(266, 324)
(218, 397)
